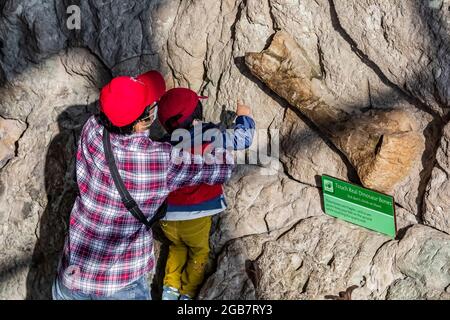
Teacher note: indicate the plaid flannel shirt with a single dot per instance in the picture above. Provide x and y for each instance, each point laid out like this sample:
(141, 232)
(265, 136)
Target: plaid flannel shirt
(106, 247)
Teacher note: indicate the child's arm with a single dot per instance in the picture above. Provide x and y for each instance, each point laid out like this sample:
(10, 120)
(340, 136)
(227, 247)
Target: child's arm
(243, 130)
(186, 169)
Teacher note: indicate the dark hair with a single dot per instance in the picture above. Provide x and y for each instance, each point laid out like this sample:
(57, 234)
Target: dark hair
(172, 123)
(125, 130)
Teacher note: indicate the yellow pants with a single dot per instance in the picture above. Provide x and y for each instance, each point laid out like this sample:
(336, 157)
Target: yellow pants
(188, 253)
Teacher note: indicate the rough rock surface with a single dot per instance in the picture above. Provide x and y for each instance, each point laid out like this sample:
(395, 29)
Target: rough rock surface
(265, 204)
(10, 132)
(306, 155)
(408, 41)
(296, 265)
(437, 202)
(38, 184)
(381, 145)
(370, 54)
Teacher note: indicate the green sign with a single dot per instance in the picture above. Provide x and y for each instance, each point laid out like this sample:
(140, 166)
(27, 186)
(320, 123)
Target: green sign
(366, 208)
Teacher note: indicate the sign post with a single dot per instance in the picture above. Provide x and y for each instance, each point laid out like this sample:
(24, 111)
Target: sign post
(360, 206)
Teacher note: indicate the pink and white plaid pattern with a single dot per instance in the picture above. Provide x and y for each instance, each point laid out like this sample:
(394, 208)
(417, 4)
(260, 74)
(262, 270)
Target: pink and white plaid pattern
(106, 247)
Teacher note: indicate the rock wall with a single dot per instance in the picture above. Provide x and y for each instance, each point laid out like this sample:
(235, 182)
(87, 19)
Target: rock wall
(274, 240)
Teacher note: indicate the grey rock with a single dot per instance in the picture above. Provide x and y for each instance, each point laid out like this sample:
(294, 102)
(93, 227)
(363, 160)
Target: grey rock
(437, 203)
(392, 34)
(298, 265)
(394, 57)
(29, 32)
(306, 155)
(10, 132)
(259, 204)
(39, 182)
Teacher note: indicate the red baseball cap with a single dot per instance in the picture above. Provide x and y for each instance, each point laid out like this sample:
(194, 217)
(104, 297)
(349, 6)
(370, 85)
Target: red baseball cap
(124, 99)
(179, 102)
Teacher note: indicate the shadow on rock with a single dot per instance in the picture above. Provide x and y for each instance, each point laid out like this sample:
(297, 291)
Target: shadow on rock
(61, 189)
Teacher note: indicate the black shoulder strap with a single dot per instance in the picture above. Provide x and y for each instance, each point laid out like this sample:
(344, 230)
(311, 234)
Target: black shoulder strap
(127, 199)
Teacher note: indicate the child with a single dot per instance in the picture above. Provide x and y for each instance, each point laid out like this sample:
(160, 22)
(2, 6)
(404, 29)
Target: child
(188, 220)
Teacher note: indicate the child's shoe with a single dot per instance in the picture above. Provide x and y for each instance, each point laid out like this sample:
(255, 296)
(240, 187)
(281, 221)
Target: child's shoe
(170, 293)
(185, 297)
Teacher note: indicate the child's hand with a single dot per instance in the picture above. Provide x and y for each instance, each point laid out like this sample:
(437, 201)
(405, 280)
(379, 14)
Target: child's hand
(243, 110)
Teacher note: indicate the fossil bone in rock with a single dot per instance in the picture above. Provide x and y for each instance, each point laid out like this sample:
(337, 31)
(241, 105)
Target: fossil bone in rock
(382, 145)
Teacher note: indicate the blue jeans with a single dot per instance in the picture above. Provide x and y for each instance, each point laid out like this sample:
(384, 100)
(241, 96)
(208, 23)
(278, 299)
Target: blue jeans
(138, 290)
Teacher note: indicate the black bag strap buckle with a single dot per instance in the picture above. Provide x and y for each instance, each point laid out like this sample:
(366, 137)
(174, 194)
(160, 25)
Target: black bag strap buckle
(130, 204)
